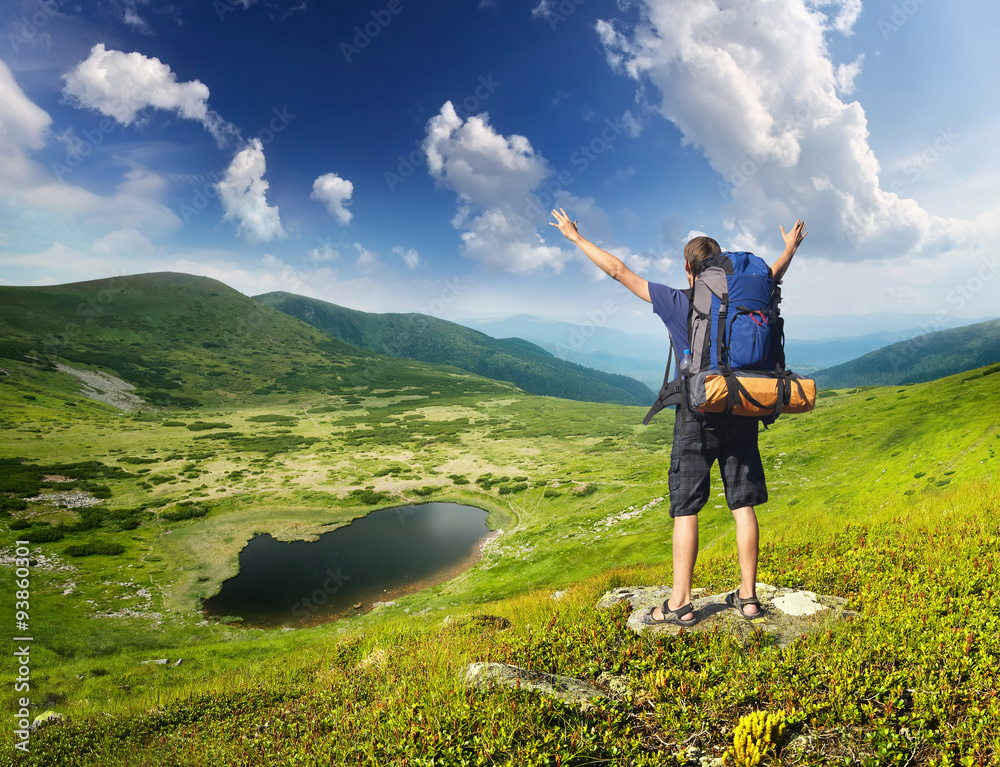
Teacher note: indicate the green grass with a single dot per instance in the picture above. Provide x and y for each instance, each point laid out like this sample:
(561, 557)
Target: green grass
(884, 496)
(910, 681)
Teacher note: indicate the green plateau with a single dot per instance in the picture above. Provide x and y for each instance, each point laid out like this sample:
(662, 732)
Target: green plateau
(886, 496)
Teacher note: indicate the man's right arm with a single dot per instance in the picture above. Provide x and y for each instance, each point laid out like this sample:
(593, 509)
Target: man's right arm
(611, 265)
(792, 241)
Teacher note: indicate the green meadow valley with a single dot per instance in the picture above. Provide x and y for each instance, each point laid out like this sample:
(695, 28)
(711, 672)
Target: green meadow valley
(154, 424)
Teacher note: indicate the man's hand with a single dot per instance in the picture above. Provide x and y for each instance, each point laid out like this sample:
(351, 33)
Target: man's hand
(611, 265)
(564, 225)
(794, 238)
(792, 241)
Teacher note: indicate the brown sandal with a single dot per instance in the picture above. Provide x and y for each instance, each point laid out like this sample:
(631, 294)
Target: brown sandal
(737, 602)
(673, 617)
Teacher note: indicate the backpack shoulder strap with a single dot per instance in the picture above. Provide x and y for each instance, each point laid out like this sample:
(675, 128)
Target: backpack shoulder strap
(671, 392)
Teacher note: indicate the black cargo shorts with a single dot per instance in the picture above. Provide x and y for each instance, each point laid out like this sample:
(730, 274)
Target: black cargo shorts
(697, 446)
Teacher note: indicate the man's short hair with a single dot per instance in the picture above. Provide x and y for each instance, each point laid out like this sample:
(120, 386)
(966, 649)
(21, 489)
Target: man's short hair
(698, 249)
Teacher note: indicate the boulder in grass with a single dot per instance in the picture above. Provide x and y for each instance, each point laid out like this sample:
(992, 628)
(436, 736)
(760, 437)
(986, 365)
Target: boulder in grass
(786, 613)
(486, 676)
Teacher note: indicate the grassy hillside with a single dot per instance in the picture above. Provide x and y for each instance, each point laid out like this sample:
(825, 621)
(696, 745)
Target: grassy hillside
(429, 339)
(188, 341)
(923, 358)
(880, 496)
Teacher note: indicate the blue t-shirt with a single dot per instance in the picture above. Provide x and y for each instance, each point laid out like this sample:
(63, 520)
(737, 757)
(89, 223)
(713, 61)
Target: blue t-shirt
(671, 305)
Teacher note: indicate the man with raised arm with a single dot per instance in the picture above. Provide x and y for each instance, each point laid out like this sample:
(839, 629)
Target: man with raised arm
(697, 444)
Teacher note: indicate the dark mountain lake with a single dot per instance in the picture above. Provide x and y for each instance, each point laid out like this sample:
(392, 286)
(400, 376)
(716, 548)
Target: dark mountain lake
(384, 555)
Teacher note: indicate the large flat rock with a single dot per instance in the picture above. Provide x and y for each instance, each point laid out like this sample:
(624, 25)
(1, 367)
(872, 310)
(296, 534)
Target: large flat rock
(786, 613)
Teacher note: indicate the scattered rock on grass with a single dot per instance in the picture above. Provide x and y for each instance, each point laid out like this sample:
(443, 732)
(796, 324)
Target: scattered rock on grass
(486, 676)
(45, 718)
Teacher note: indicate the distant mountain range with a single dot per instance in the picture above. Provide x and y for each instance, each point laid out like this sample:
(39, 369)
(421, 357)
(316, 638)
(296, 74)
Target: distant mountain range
(187, 341)
(923, 358)
(644, 355)
(429, 339)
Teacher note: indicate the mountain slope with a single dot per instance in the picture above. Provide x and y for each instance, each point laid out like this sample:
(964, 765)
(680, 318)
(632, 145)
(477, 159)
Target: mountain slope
(429, 339)
(184, 341)
(923, 358)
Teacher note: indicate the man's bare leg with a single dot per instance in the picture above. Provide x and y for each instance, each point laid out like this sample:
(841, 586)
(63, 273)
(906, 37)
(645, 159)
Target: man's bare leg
(747, 547)
(685, 556)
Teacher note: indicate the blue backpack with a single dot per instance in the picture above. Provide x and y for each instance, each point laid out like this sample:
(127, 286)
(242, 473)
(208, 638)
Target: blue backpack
(737, 343)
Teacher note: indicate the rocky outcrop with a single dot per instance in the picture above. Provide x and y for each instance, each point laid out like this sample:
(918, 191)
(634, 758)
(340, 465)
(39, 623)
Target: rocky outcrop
(786, 613)
(105, 388)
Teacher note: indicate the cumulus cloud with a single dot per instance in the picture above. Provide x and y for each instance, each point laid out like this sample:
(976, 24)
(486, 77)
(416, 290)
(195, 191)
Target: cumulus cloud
(367, 261)
(410, 256)
(25, 125)
(243, 193)
(124, 243)
(752, 85)
(334, 192)
(130, 15)
(122, 85)
(497, 179)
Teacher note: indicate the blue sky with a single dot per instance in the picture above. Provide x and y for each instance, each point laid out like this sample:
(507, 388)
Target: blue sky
(403, 155)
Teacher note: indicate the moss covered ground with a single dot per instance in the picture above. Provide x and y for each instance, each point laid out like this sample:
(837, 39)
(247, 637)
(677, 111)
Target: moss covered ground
(885, 496)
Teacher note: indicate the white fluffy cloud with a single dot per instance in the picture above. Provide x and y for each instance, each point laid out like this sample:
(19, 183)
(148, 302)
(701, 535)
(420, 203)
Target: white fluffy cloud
(410, 256)
(44, 199)
(243, 193)
(334, 192)
(121, 85)
(495, 178)
(753, 86)
(367, 261)
(24, 124)
(126, 244)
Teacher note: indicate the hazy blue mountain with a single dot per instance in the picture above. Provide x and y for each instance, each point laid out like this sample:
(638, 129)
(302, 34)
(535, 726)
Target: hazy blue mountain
(813, 343)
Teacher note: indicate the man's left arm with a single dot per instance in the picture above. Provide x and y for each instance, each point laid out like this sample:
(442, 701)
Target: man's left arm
(792, 241)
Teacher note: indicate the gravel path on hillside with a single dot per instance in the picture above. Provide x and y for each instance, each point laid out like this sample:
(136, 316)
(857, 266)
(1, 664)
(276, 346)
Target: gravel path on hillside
(105, 388)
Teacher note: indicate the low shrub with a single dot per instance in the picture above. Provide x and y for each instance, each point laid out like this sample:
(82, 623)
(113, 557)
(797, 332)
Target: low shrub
(42, 534)
(90, 549)
(206, 425)
(184, 510)
(270, 418)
